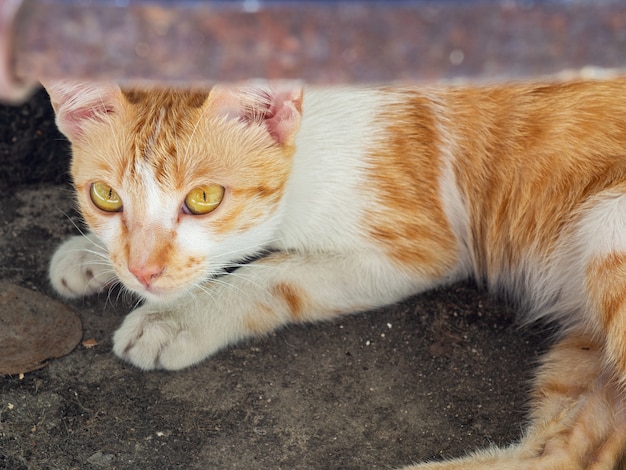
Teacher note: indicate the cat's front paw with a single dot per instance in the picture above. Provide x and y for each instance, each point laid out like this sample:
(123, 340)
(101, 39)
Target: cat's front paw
(80, 267)
(153, 339)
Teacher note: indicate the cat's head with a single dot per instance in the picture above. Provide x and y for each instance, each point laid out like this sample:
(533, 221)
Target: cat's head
(178, 184)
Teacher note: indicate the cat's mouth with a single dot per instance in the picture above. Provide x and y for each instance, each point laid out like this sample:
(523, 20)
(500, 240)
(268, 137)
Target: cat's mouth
(159, 289)
(160, 295)
(164, 286)
(164, 291)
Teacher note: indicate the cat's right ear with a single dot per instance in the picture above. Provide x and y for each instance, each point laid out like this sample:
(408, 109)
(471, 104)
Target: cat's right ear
(76, 104)
(277, 107)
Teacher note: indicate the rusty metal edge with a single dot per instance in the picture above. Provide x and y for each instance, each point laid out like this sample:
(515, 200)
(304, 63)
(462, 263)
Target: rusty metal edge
(199, 43)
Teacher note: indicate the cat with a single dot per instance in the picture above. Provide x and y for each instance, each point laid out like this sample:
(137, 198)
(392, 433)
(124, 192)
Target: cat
(239, 209)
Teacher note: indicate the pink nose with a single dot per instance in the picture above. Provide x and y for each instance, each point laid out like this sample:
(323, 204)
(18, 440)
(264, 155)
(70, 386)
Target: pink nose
(148, 273)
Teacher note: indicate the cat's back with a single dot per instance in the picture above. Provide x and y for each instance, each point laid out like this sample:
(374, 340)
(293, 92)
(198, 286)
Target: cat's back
(526, 157)
(457, 179)
(531, 162)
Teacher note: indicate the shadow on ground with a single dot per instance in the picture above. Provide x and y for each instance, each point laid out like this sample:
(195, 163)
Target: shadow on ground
(433, 377)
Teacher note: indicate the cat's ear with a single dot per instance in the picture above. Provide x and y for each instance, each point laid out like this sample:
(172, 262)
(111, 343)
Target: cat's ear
(279, 108)
(76, 104)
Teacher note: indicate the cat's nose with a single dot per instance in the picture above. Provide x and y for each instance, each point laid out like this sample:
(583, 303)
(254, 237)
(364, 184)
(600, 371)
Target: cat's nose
(146, 274)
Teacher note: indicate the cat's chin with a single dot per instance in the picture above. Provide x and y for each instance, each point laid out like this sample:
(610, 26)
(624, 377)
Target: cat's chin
(160, 296)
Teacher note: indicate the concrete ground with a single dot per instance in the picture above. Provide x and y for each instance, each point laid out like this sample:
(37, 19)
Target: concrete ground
(432, 377)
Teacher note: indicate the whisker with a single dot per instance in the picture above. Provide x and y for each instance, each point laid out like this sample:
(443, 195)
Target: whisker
(97, 255)
(80, 230)
(228, 284)
(193, 133)
(261, 287)
(204, 289)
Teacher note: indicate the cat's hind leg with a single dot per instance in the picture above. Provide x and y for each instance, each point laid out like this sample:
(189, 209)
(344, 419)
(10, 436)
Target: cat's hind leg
(80, 267)
(593, 274)
(578, 418)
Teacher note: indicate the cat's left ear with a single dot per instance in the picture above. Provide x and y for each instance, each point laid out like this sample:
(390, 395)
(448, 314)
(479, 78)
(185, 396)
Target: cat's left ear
(279, 108)
(76, 104)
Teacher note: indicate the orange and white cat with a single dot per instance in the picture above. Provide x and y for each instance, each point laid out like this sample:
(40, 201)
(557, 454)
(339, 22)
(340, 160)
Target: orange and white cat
(335, 201)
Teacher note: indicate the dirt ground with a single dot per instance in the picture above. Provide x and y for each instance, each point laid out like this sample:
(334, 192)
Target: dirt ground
(433, 377)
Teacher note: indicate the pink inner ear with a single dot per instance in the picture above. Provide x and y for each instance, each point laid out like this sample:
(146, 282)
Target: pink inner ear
(283, 120)
(279, 110)
(77, 103)
(71, 123)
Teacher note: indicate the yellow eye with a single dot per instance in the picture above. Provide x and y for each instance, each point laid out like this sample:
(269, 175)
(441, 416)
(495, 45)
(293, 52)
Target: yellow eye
(204, 199)
(105, 198)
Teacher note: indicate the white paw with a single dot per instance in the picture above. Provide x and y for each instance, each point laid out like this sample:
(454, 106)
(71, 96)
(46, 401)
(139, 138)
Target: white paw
(80, 267)
(152, 339)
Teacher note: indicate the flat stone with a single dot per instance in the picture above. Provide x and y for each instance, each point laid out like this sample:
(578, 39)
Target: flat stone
(33, 329)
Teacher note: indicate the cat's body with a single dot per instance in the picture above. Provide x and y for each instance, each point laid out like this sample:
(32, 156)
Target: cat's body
(351, 199)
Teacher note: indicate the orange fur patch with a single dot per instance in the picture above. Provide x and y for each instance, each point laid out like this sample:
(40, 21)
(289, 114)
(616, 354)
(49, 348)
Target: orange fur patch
(404, 168)
(293, 297)
(606, 284)
(159, 121)
(578, 416)
(527, 156)
(262, 320)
